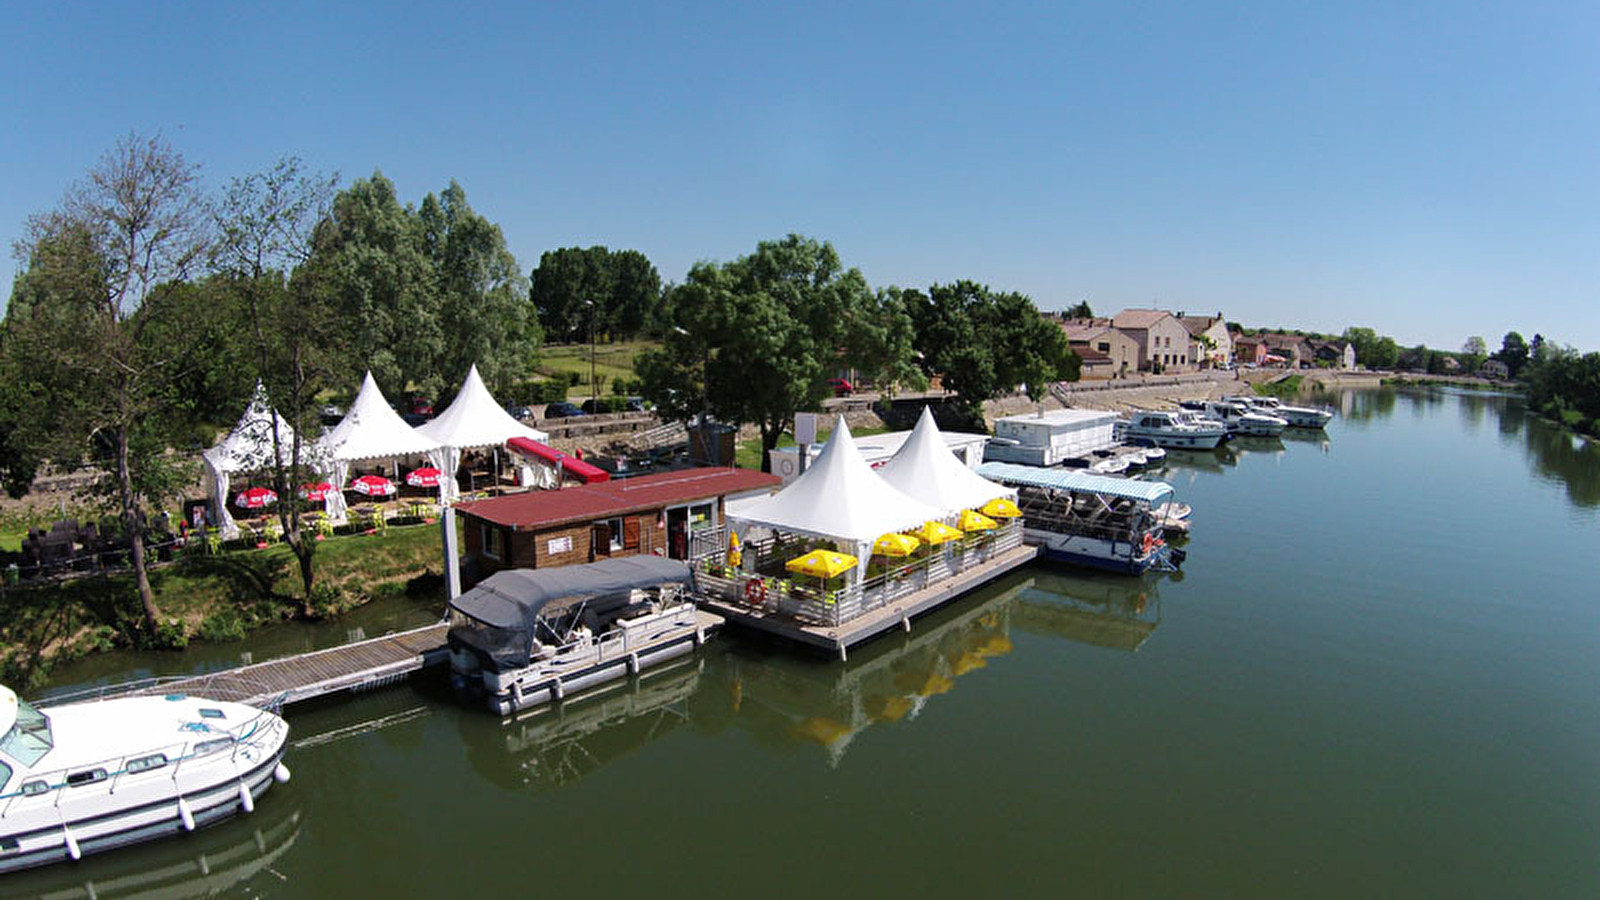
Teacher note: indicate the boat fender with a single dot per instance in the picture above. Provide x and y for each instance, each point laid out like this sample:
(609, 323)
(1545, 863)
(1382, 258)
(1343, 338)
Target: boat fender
(1149, 542)
(185, 815)
(755, 592)
(557, 691)
(247, 801)
(633, 663)
(72, 843)
(280, 772)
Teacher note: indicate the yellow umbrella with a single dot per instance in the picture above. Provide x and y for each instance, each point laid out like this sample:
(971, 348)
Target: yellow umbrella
(1001, 508)
(973, 521)
(935, 533)
(822, 563)
(894, 544)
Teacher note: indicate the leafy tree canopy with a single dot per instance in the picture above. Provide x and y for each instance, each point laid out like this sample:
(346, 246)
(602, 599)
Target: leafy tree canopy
(622, 284)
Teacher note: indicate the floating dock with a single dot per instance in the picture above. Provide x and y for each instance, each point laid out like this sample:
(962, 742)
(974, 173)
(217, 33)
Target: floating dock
(837, 639)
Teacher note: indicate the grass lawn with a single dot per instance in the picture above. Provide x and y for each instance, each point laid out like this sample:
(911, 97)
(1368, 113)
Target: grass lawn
(748, 454)
(610, 361)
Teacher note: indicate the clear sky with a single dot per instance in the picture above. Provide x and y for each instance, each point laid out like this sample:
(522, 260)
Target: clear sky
(1426, 169)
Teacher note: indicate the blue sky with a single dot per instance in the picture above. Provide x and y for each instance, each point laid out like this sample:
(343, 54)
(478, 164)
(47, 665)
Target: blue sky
(1425, 169)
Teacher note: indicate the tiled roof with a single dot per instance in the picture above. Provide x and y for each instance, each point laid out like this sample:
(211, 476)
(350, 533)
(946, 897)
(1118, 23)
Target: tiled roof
(1139, 319)
(545, 509)
(1198, 324)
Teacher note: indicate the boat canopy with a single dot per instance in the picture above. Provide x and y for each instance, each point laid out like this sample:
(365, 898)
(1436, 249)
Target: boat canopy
(515, 598)
(1077, 481)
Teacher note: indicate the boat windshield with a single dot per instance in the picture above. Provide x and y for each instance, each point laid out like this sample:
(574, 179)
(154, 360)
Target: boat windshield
(29, 739)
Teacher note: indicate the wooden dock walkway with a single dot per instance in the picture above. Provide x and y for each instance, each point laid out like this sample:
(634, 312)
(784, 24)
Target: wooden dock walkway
(362, 665)
(897, 614)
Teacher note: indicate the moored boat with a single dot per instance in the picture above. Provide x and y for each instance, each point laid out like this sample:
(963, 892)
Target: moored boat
(523, 637)
(1175, 429)
(1295, 416)
(1091, 520)
(1241, 419)
(82, 778)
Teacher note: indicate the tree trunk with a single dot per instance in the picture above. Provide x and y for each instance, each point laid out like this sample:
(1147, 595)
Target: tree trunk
(135, 530)
(769, 440)
(303, 551)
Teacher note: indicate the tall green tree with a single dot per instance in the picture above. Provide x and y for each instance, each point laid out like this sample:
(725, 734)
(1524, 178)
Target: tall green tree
(485, 316)
(984, 343)
(623, 286)
(95, 291)
(1514, 353)
(266, 223)
(756, 339)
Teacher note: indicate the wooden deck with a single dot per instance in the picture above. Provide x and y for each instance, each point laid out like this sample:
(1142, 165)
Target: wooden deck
(898, 614)
(353, 667)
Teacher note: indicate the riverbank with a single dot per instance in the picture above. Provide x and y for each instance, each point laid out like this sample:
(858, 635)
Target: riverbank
(210, 598)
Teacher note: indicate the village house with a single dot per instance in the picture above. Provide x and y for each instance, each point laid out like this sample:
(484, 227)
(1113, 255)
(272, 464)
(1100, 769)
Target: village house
(1337, 354)
(1105, 351)
(1494, 368)
(1163, 341)
(1212, 343)
(1249, 349)
(1293, 348)
(663, 514)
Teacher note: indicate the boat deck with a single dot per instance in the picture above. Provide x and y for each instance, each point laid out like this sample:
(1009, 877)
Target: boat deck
(897, 614)
(352, 667)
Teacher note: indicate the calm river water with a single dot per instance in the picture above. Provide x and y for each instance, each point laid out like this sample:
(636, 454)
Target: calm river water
(1375, 678)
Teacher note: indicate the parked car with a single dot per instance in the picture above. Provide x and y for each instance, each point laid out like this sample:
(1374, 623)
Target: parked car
(519, 412)
(589, 407)
(634, 404)
(561, 409)
(331, 414)
(421, 406)
(841, 387)
(413, 419)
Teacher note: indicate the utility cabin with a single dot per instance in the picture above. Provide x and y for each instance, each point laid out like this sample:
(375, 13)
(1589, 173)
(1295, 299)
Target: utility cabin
(678, 515)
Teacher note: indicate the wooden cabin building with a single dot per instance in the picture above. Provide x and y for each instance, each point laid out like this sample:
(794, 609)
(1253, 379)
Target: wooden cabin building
(657, 514)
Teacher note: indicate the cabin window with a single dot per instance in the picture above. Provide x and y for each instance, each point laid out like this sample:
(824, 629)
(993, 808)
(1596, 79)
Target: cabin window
(493, 546)
(91, 776)
(29, 738)
(210, 713)
(614, 527)
(212, 746)
(147, 763)
(5, 776)
(7, 845)
(35, 788)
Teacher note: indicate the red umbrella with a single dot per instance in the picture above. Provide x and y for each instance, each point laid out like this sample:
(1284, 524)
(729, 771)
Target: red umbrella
(427, 476)
(317, 491)
(373, 486)
(254, 498)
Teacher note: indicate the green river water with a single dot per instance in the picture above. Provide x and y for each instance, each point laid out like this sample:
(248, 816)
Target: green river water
(1373, 678)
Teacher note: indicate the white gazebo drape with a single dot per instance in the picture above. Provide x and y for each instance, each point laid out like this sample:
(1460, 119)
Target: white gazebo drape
(473, 420)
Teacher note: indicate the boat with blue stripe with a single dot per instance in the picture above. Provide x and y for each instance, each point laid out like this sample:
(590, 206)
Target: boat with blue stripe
(1085, 519)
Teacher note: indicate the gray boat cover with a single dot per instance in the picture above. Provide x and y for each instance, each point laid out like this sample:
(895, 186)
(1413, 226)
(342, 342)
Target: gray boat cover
(514, 598)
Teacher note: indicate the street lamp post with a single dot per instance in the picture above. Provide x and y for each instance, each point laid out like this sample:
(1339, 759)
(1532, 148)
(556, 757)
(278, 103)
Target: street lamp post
(594, 387)
(712, 454)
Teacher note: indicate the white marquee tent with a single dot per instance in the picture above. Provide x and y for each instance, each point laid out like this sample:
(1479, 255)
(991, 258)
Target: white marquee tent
(840, 498)
(372, 430)
(925, 468)
(472, 420)
(247, 448)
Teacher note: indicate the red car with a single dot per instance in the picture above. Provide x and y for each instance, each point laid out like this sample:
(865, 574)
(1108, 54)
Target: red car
(421, 406)
(841, 387)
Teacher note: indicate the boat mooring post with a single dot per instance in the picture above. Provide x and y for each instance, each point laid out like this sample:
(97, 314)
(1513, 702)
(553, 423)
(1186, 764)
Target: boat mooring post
(452, 560)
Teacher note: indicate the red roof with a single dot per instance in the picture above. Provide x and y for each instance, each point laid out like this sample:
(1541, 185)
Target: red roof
(586, 503)
(590, 474)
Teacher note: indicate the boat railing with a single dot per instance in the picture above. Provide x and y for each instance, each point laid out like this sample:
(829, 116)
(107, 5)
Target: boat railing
(792, 597)
(226, 686)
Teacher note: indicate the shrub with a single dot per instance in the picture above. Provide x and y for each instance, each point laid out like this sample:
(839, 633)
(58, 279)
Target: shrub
(224, 625)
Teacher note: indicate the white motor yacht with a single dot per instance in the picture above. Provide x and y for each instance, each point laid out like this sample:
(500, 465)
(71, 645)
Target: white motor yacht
(1175, 429)
(1296, 416)
(80, 778)
(1240, 419)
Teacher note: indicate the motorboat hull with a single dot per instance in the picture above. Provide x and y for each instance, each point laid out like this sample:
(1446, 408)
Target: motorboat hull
(1097, 553)
(539, 688)
(163, 816)
(1182, 440)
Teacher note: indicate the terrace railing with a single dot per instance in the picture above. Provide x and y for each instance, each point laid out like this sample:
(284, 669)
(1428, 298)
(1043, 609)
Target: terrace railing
(803, 600)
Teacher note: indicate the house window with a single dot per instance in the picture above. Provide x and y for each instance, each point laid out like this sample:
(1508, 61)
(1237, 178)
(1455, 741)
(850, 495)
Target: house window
(615, 527)
(1103, 346)
(493, 543)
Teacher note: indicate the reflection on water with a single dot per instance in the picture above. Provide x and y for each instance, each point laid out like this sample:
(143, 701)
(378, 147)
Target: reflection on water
(204, 864)
(1104, 610)
(555, 745)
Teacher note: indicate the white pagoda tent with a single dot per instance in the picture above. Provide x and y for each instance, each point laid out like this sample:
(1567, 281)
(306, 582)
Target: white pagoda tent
(473, 420)
(371, 430)
(925, 468)
(247, 448)
(838, 498)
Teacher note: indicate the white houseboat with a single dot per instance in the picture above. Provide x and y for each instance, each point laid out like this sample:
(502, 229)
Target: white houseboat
(1091, 520)
(1296, 416)
(81, 778)
(1175, 429)
(523, 637)
(1050, 438)
(1240, 419)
